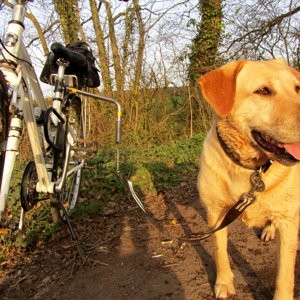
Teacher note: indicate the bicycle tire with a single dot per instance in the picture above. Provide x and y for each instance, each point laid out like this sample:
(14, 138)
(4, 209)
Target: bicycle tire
(4, 119)
(68, 197)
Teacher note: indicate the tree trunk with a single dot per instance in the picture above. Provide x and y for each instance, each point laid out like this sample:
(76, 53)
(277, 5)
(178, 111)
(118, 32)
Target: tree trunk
(204, 50)
(205, 45)
(103, 56)
(119, 76)
(139, 61)
(69, 19)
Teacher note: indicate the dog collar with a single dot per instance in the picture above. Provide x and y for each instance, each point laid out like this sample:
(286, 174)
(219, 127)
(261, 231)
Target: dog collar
(234, 158)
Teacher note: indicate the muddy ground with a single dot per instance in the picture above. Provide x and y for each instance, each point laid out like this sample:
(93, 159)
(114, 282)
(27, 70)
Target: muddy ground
(125, 254)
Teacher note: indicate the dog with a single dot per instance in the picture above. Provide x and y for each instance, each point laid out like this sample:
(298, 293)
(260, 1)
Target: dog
(256, 124)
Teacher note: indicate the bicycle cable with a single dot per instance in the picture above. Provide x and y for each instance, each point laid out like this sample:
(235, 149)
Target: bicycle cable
(18, 58)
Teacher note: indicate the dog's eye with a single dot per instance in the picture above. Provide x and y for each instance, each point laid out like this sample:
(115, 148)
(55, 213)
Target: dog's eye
(264, 91)
(297, 89)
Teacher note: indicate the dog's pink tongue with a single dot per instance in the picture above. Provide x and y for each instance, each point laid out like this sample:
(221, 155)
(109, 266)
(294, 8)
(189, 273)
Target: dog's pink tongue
(293, 149)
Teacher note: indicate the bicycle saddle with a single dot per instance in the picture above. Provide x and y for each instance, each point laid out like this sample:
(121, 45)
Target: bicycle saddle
(74, 58)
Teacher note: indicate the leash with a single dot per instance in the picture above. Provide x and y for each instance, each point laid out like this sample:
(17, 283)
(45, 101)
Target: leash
(246, 199)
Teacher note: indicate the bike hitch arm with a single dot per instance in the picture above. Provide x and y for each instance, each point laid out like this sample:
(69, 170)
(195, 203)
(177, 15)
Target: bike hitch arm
(121, 177)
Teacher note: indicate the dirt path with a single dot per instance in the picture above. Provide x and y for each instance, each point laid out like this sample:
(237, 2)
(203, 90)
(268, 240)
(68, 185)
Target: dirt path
(130, 256)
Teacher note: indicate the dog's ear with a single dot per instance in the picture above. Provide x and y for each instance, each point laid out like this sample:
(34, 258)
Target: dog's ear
(218, 87)
(296, 73)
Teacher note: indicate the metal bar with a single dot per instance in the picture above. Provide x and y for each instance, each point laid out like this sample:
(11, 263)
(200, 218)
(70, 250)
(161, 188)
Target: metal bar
(106, 99)
(58, 187)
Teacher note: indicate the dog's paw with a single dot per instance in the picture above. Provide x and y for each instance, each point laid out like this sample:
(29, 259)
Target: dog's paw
(268, 233)
(224, 291)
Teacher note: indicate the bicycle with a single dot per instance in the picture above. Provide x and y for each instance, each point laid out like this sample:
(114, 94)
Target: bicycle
(58, 133)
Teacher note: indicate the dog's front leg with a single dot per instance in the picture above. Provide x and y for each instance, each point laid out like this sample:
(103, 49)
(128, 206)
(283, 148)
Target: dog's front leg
(286, 253)
(224, 282)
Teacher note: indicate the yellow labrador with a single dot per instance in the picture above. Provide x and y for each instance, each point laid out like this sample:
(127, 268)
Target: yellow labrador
(257, 108)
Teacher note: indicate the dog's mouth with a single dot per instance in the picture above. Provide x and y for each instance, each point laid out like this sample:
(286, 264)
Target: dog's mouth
(286, 153)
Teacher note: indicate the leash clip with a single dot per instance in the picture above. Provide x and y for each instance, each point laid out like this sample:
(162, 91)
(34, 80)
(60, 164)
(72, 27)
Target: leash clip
(256, 181)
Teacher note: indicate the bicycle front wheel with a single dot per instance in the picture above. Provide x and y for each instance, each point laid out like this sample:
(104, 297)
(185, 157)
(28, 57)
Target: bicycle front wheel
(4, 124)
(68, 197)
(4, 120)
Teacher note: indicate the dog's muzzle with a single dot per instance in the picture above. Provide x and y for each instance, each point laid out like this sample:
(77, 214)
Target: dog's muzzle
(285, 153)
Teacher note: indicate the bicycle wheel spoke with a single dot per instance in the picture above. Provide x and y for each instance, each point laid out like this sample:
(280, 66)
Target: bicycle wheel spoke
(68, 196)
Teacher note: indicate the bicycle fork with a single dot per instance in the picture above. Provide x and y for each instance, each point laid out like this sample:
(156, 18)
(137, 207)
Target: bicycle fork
(12, 149)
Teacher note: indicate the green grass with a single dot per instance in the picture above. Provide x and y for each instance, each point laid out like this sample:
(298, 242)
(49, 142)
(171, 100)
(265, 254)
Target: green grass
(38, 225)
(151, 169)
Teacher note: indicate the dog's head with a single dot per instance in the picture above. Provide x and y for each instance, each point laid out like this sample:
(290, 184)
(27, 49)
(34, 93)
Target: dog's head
(263, 100)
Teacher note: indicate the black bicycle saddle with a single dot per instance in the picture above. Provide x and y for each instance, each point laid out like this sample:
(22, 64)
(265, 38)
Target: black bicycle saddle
(73, 57)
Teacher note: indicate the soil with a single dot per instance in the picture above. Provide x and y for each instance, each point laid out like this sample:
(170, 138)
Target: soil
(124, 254)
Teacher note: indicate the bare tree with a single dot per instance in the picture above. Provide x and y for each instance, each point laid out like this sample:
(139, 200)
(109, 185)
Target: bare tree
(262, 30)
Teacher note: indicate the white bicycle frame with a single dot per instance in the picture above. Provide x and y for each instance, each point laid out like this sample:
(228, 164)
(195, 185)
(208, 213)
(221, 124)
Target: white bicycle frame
(26, 90)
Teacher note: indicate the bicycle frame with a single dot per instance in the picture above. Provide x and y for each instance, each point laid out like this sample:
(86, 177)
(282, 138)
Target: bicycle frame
(25, 91)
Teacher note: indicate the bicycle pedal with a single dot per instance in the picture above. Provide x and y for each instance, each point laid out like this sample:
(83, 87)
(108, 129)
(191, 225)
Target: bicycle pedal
(85, 148)
(4, 231)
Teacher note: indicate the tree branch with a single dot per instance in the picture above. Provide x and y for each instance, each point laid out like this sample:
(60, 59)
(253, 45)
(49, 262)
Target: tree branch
(265, 28)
